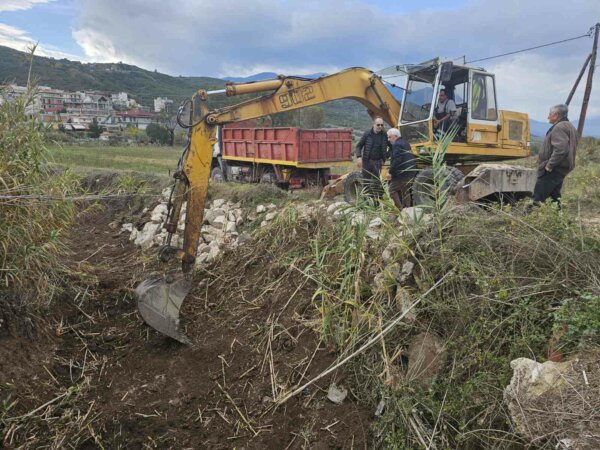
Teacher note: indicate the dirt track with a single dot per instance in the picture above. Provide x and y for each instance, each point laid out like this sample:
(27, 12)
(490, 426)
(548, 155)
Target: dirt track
(142, 390)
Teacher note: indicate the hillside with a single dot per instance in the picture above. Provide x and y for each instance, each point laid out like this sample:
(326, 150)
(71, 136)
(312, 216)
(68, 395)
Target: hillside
(142, 85)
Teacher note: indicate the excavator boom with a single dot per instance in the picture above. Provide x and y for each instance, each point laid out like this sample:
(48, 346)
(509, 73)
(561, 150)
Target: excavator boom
(159, 299)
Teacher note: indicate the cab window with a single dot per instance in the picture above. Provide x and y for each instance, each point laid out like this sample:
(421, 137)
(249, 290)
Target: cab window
(483, 102)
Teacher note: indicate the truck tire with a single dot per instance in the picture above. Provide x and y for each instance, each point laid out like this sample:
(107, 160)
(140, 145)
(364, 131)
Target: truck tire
(216, 175)
(423, 185)
(353, 185)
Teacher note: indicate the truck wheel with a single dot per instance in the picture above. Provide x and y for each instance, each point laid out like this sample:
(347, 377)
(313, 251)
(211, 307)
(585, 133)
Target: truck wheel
(422, 188)
(353, 186)
(268, 178)
(217, 176)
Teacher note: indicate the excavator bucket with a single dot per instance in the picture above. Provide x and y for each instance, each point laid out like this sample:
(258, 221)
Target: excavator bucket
(159, 300)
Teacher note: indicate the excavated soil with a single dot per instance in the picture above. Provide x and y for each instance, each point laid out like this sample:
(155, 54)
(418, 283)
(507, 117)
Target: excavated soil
(143, 390)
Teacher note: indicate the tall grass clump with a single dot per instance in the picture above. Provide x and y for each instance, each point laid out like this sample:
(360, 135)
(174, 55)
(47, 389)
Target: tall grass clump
(508, 284)
(33, 216)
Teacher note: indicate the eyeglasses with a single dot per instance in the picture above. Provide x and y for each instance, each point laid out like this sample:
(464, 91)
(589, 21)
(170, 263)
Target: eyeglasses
(378, 124)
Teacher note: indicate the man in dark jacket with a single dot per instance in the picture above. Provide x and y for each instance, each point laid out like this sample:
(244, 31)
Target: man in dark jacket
(371, 153)
(403, 169)
(557, 156)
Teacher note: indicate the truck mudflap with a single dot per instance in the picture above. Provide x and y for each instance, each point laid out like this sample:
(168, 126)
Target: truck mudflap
(489, 181)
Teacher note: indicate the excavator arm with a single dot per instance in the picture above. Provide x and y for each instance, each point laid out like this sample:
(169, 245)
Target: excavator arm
(159, 299)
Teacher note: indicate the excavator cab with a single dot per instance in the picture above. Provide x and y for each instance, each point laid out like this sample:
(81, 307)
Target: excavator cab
(478, 122)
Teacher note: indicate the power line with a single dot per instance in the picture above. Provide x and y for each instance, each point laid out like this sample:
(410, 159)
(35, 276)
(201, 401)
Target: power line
(588, 34)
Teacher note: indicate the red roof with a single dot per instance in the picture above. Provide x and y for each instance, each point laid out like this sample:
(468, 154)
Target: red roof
(137, 113)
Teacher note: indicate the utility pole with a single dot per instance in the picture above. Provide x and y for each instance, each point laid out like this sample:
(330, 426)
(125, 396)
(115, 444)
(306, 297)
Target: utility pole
(578, 80)
(588, 86)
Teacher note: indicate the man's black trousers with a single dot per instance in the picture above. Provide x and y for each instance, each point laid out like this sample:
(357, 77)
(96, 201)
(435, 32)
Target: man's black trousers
(548, 185)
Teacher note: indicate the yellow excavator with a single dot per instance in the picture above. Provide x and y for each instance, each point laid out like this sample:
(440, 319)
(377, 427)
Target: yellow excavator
(483, 133)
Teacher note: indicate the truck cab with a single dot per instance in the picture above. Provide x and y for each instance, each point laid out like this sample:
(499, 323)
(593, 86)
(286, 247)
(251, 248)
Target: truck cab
(483, 132)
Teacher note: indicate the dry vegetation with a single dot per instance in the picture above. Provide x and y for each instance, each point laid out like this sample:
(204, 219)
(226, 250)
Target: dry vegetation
(306, 293)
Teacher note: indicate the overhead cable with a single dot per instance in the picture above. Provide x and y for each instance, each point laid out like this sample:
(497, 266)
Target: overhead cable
(588, 34)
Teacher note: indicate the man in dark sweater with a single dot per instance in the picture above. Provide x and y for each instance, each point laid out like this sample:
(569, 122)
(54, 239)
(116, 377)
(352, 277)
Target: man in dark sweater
(403, 169)
(371, 153)
(557, 156)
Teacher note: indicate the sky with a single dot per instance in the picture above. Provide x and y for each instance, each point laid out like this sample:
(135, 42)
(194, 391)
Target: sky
(243, 37)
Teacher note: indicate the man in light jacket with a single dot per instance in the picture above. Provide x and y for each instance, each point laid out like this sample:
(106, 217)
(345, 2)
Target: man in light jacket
(557, 156)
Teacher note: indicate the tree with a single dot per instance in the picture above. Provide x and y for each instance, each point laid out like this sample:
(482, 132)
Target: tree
(170, 123)
(158, 134)
(95, 129)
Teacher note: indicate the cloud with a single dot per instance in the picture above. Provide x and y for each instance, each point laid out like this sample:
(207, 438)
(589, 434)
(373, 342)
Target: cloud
(233, 37)
(20, 40)
(19, 5)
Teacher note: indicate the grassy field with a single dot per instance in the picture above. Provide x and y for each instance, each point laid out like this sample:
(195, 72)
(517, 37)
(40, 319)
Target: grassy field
(147, 159)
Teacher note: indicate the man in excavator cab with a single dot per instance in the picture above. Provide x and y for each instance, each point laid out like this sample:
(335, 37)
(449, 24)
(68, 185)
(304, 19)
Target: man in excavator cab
(497, 136)
(444, 112)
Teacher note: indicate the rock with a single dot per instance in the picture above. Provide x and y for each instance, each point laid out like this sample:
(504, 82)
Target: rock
(159, 213)
(376, 223)
(231, 217)
(387, 278)
(219, 221)
(337, 394)
(407, 270)
(413, 216)
(127, 228)
(202, 258)
(239, 221)
(209, 216)
(134, 234)
(166, 194)
(425, 357)
(213, 244)
(390, 251)
(358, 218)
(271, 206)
(203, 248)
(380, 407)
(404, 302)
(264, 223)
(145, 237)
(252, 216)
(213, 253)
(557, 400)
(260, 209)
(218, 203)
(230, 227)
(335, 206)
(373, 234)
(270, 216)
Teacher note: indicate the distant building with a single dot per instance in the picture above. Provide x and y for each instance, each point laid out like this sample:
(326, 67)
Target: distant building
(163, 104)
(120, 100)
(132, 118)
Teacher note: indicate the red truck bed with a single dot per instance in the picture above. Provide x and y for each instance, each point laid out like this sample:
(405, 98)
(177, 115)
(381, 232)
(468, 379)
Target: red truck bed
(287, 146)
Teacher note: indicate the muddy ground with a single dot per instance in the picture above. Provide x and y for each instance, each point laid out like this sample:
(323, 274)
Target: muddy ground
(90, 374)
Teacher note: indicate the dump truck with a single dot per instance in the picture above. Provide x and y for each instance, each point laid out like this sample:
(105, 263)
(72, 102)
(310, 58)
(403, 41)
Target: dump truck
(288, 157)
(484, 134)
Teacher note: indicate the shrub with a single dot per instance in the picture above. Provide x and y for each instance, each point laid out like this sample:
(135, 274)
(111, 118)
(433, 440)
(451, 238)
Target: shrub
(33, 216)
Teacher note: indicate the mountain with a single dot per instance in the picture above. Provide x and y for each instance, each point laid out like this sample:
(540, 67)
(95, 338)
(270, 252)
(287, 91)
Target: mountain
(591, 128)
(144, 85)
(268, 76)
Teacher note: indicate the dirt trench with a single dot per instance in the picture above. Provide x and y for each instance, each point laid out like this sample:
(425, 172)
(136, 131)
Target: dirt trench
(129, 387)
